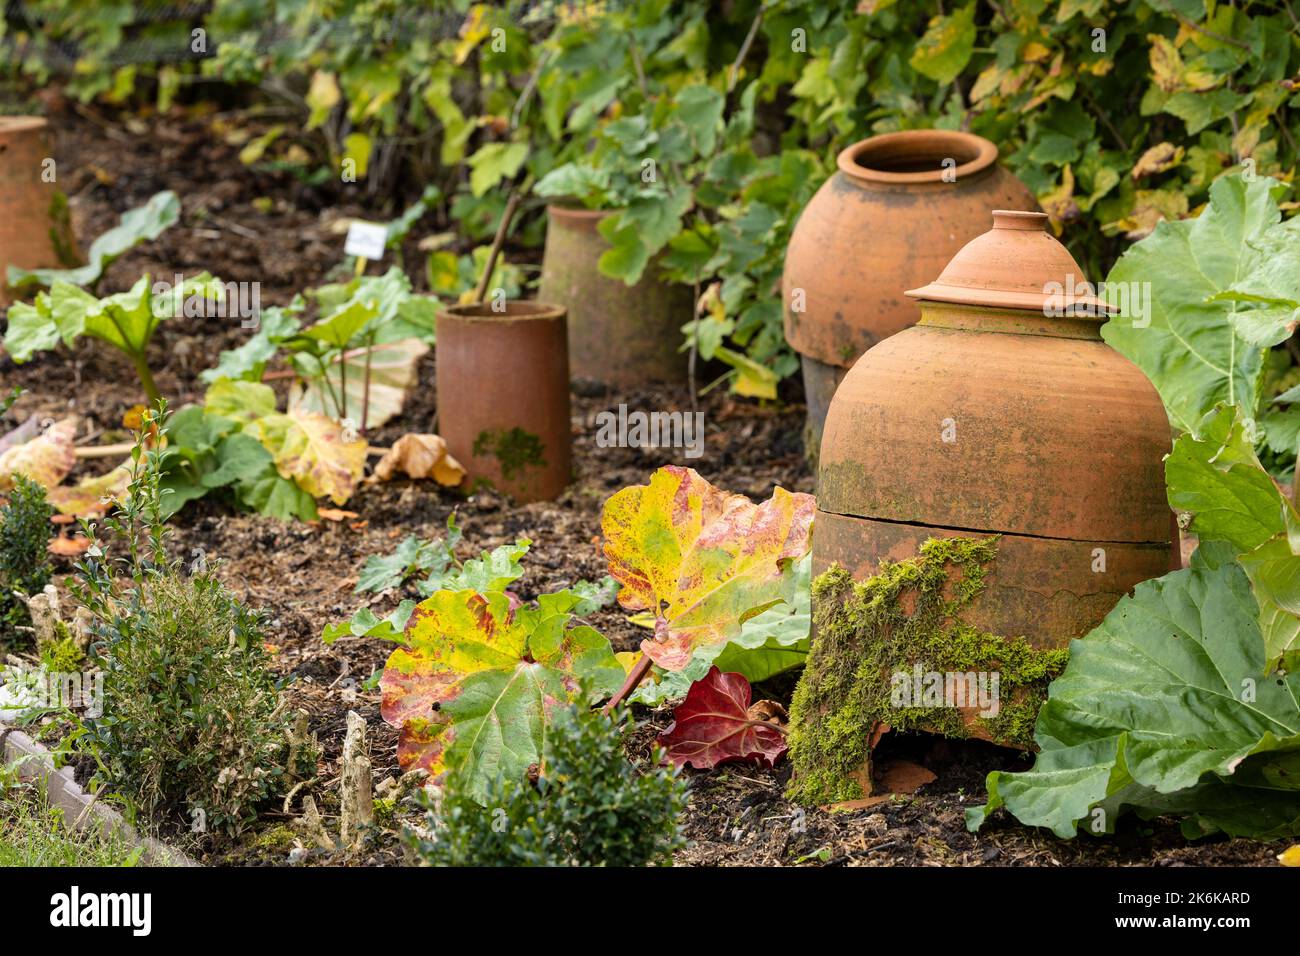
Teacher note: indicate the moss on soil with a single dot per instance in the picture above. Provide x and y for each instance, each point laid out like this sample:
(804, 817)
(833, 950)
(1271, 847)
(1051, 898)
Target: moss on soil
(907, 614)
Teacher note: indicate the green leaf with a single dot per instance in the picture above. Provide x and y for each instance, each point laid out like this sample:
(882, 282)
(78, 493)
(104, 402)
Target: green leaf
(249, 360)
(271, 494)
(1216, 478)
(1165, 708)
(946, 47)
(700, 108)
(408, 560)
(31, 329)
(138, 225)
(1191, 349)
(365, 623)
(494, 162)
(493, 570)
(239, 400)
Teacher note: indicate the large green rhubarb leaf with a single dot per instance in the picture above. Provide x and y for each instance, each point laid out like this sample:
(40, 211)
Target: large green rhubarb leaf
(1165, 708)
(1225, 495)
(1190, 343)
(475, 684)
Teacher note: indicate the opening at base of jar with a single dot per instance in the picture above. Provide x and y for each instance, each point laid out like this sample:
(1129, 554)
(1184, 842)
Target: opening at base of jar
(917, 156)
(512, 310)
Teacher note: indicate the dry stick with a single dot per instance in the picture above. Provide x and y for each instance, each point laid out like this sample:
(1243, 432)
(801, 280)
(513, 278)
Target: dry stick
(634, 677)
(744, 48)
(497, 242)
(695, 347)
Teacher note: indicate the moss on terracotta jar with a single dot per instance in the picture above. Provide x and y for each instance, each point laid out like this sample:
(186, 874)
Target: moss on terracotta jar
(907, 614)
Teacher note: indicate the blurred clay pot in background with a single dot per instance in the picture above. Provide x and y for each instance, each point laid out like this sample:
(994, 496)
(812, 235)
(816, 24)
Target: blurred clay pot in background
(503, 396)
(1003, 412)
(35, 229)
(895, 212)
(619, 335)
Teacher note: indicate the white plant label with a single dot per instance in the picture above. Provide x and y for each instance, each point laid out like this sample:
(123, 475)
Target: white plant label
(366, 239)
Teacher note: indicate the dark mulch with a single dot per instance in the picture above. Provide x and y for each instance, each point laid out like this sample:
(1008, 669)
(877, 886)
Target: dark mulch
(266, 227)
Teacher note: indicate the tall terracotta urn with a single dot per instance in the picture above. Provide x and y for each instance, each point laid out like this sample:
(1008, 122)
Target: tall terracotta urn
(503, 396)
(35, 230)
(1002, 411)
(898, 208)
(619, 335)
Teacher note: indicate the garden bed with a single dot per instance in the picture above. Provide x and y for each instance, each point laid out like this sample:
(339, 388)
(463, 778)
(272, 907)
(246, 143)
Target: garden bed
(267, 227)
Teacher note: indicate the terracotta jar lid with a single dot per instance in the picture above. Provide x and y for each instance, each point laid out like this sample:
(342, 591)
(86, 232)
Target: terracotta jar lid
(1017, 264)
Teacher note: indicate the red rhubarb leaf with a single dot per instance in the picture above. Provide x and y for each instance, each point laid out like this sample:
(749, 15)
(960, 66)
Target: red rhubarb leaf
(713, 725)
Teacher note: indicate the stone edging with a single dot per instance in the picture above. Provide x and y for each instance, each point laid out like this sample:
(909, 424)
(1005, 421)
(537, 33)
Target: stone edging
(64, 792)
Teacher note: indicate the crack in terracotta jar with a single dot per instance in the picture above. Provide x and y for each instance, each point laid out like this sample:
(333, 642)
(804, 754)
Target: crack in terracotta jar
(1003, 412)
(898, 207)
(35, 226)
(503, 396)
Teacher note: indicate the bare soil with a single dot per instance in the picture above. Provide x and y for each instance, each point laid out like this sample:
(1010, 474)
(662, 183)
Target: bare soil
(269, 228)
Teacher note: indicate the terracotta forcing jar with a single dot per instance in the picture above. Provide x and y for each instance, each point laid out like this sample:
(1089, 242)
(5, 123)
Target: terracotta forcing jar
(503, 396)
(35, 230)
(993, 416)
(619, 335)
(898, 208)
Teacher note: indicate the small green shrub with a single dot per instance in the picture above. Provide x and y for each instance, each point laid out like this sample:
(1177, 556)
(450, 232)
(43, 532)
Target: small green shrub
(24, 560)
(590, 807)
(193, 730)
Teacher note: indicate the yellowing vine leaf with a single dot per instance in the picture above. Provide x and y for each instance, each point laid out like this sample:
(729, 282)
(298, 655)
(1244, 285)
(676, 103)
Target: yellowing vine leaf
(477, 679)
(313, 450)
(45, 459)
(702, 561)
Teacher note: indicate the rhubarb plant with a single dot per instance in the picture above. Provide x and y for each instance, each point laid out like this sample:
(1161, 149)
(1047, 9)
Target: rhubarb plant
(142, 224)
(356, 362)
(126, 321)
(701, 561)
(477, 677)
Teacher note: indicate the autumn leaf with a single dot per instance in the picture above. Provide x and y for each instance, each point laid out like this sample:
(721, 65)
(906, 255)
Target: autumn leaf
(94, 495)
(45, 459)
(313, 451)
(716, 724)
(702, 561)
(1157, 159)
(477, 679)
(420, 456)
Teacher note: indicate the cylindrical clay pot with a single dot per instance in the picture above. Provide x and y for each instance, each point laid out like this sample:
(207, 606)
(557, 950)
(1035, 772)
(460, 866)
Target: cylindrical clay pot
(895, 212)
(503, 396)
(619, 335)
(35, 229)
(992, 417)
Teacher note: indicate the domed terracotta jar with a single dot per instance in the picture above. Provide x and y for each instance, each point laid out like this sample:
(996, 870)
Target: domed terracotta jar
(1002, 411)
(898, 208)
(35, 230)
(619, 335)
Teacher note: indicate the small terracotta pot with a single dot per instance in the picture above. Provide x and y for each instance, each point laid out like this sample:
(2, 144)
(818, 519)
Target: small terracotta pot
(888, 219)
(991, 416)
(35, 229)
(503, 396)
(619, 335)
